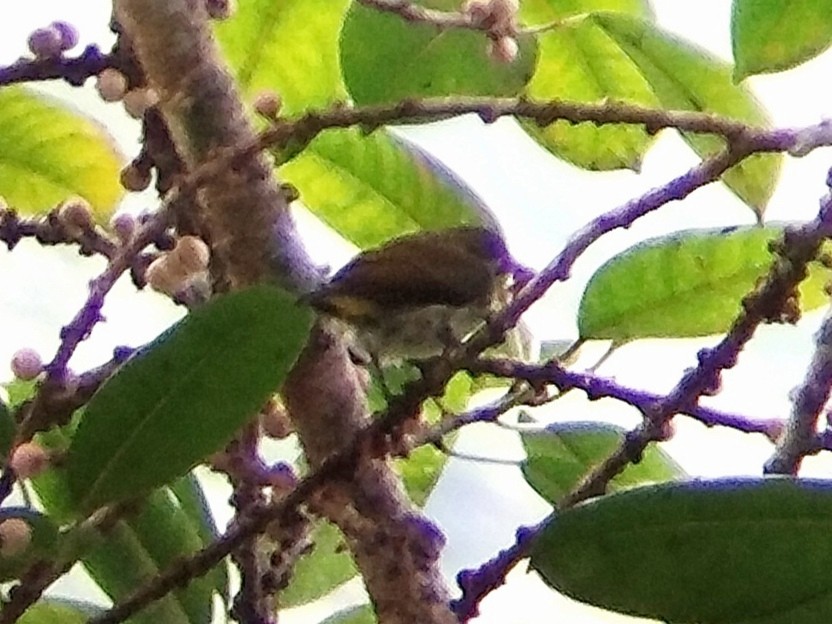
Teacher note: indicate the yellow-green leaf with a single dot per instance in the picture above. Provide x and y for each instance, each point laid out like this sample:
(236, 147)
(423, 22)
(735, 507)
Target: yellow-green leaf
(51, 153)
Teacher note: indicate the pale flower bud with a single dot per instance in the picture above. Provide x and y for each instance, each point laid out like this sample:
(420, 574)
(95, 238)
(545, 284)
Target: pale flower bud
(134, 179)
(192, 254)
(26, 364)
(76, 215)
(137, 101)
(29, 460)
(111, 85)
(15, 537)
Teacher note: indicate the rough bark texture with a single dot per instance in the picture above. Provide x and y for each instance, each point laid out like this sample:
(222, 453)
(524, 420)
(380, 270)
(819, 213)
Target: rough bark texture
(252, 237)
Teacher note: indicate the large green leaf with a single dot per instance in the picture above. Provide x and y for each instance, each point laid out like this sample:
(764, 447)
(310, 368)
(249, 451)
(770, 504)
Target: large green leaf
(51, 153)
(429, 61)
(771, 35)
(191, 498)
(136, 549)
(140, 545)
(367, 188)
(373, 188)
(560, 456)
(686, 77)
(732, 551)
(684, 285)
(580, 62)
(185, 395)
(290, 47)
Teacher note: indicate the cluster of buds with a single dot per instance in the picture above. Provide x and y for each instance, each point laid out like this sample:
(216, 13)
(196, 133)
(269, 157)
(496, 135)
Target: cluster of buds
(52, 41)
(185, 265)
(498, 18)
(113, 86)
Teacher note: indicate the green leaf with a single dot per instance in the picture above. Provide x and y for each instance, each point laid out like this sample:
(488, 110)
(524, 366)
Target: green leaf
(770, 35)
(685, 77)
(51, 153)
(429, 62)
(191, 498)
(319, 572)
(731, 551)
(52, 610)
(185, 395)
(560, 456)
(362, 614)
(289, 47)
(684, 285)
(579, 62)
(43, 542)
(373, 188)
(138, 548)
(7, 430)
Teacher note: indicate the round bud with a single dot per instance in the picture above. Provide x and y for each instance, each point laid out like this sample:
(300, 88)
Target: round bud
(28, 460)
(76, 215)
(134, 178)
(267, 104)
(26, 364)
(69, 34)
(15, 536)
(161, 278)
(46, 43)
(274, 420)
(124, 226)
(192, 254)
(111, 85)
(503, 50)
(137, 101)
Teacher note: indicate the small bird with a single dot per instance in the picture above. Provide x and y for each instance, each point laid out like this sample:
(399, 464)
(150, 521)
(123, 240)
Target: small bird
(417, 294)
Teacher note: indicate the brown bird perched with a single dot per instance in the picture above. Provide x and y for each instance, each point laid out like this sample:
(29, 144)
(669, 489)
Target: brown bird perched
(417, 294)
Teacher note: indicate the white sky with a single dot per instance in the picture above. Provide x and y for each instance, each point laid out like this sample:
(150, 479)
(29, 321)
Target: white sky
(539, 201)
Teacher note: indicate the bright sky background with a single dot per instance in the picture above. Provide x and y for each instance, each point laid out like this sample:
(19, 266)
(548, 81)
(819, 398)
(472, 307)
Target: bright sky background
(539, 202)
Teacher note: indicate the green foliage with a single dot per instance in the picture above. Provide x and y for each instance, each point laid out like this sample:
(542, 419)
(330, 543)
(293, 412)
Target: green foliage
(731, 551)
(770, 35)
(185, 395)
(51, 153)
(362, 614)
(373, 188)
(317, 573)
(689, 284)
(560, 456)
(579, 62)
(58, 611)
(431, 62)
